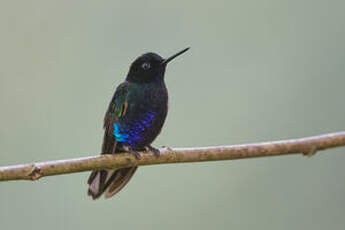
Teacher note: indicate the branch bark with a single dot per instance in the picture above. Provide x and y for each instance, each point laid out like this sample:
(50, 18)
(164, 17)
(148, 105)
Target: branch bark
(307, 146)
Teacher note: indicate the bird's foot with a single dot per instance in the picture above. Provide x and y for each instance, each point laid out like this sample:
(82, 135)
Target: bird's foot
(133, 152)
(168, 148)
(155, 151)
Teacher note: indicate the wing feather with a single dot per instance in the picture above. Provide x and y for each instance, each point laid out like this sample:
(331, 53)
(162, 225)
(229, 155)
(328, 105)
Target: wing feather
(111, 181)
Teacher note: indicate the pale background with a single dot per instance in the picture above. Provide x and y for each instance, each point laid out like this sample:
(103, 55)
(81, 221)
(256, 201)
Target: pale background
(257, 71)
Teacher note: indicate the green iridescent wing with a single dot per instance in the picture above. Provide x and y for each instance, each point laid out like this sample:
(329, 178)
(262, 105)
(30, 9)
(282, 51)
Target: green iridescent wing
(112, 181)
(100, 180)
(117, 108)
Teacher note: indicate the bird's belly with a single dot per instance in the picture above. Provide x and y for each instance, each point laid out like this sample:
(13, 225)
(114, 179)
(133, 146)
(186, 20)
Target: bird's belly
(141, 130)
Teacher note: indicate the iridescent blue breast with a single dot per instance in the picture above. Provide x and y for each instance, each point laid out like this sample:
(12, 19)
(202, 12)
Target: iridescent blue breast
(137, 133)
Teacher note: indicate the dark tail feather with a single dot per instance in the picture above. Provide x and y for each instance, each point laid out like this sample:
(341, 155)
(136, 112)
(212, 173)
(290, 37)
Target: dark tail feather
(109, 182)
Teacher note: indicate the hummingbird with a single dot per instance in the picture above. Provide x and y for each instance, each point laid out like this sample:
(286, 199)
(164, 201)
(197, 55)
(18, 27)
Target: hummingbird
(133, 120)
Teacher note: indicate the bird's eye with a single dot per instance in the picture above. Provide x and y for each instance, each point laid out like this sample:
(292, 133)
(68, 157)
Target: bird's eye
(146, 65)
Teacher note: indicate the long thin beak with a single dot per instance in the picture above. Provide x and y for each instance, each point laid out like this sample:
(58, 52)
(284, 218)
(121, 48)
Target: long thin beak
(175, 55)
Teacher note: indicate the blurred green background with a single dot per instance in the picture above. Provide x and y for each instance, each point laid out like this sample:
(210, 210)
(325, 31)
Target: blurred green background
(257, 71)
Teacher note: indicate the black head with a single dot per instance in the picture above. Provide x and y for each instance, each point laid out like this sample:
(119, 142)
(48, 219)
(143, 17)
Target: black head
(149, 67)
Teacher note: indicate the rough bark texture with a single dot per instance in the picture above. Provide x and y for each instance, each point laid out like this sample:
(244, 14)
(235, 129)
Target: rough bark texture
(307, 146)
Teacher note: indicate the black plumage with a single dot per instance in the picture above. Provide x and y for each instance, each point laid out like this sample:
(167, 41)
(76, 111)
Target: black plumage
(134, 118)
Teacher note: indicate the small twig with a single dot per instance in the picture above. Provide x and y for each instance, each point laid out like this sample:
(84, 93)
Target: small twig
(307, 146)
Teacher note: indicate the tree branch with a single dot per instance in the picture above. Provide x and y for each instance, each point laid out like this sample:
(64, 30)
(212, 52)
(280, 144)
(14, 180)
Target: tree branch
(307, 146)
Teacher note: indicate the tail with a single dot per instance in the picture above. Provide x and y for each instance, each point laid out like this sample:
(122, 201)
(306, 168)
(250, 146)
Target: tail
(108, 182)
